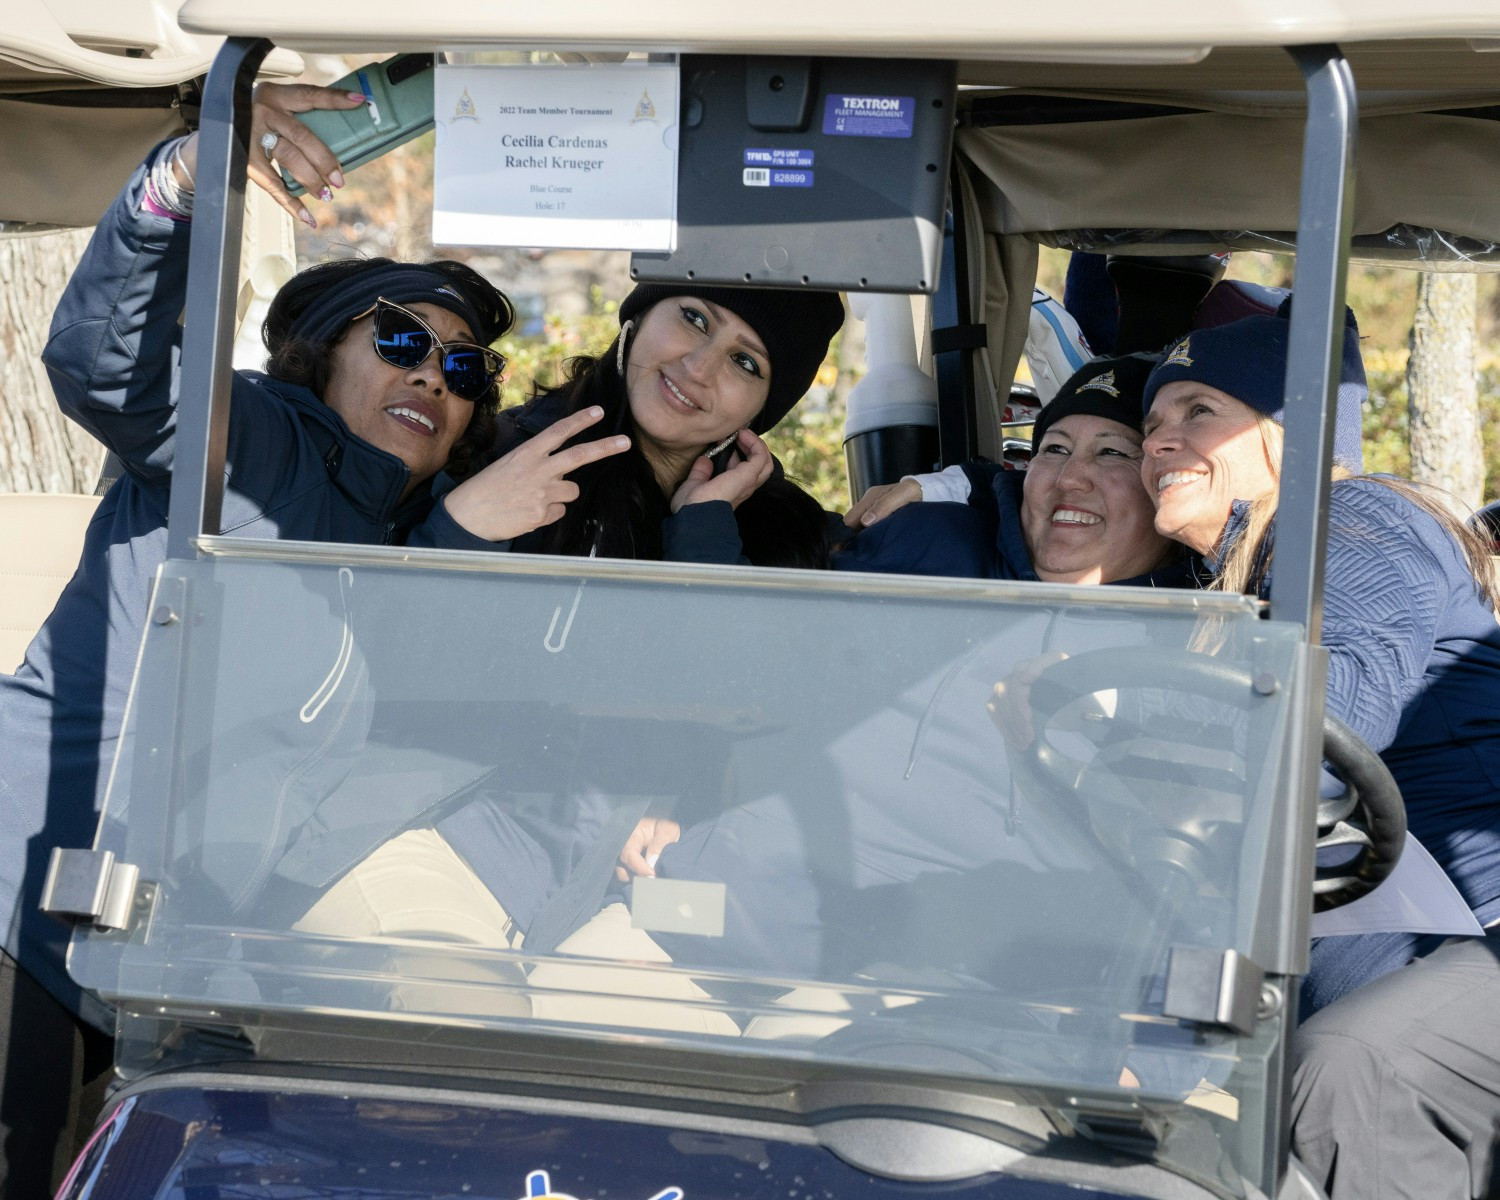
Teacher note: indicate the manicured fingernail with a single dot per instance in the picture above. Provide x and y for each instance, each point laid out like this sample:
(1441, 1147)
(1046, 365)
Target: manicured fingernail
(336, 178)
(596, 411)
(307, 218)
(356, 96)
(623, 443)
(326, 194)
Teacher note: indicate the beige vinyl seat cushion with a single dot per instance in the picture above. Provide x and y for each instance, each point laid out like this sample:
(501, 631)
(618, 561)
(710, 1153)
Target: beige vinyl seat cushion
(41, 537)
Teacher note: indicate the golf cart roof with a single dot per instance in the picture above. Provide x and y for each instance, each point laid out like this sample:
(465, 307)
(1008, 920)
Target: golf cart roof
(101, 79)
(1084, 43)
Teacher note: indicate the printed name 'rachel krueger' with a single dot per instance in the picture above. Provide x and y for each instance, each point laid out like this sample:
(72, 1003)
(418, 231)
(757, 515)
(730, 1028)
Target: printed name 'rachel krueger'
(543, 162)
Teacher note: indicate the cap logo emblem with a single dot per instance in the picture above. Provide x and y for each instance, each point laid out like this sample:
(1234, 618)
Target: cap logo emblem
(1179, 355)
(1102, 383)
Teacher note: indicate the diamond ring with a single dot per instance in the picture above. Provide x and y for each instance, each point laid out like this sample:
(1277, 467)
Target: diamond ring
(268, 142)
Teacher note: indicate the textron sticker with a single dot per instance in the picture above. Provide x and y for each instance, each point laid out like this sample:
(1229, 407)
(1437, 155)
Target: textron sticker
(869, 116)
(539, 1187)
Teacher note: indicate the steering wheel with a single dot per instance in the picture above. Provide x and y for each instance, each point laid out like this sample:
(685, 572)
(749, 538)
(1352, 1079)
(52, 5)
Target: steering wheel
(1369, 817)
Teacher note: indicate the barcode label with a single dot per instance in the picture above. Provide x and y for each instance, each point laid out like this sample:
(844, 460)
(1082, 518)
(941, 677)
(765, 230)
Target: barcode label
(757, 177)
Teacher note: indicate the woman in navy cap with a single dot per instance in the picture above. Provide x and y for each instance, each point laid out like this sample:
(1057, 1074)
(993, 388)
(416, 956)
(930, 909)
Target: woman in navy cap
(1397, 1090)
(1078, 514)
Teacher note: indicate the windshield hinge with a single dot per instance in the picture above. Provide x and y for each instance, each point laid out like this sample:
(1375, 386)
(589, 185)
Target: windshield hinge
(1213, 987)
(89, 887)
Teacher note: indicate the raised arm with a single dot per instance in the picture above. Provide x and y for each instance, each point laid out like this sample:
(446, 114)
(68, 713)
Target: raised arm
(115, 347)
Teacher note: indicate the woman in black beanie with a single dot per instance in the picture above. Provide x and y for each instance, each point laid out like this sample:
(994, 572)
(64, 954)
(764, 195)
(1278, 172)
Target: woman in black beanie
(693, 379)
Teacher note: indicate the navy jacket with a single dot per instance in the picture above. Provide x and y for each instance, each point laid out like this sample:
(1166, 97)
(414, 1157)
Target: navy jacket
(978, 540)
(294, 471)
(1414, 668)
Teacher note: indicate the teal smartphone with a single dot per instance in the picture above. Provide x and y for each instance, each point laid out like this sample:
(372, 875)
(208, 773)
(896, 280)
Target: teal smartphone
(398, 107)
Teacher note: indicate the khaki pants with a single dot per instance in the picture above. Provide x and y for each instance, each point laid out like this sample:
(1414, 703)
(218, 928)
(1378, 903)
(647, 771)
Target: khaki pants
(610, 994)
(416, 887)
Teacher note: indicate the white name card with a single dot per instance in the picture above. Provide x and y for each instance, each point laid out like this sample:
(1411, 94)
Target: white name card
(575, 157)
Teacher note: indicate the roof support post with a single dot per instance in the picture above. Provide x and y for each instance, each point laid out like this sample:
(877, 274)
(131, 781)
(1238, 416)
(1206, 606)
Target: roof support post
(952, 310)
(213, 284)
(1314, 353)
(1324, 221)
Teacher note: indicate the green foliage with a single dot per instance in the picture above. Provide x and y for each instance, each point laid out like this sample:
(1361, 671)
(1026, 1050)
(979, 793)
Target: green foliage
(810, 444)
(542, 361)
(1385, 419)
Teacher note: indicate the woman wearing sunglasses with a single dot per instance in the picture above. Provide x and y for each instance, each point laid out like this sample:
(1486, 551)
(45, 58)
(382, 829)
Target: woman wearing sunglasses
(379, 374)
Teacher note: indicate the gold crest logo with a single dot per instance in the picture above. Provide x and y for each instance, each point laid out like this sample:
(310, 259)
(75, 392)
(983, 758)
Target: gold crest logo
(1179, 355)
(1102, 383)
(465, 110)
(645, 109)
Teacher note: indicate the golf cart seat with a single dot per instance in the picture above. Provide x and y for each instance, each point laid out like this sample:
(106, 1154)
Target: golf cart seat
(40, 540)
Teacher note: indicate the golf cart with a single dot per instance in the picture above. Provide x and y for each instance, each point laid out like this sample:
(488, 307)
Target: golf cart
(1089, 984)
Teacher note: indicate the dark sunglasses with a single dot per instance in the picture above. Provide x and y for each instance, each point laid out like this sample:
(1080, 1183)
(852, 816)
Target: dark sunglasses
(404, 340)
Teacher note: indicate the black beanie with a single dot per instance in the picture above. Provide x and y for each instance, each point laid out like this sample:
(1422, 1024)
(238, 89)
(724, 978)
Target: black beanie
(1104, 387)
(796, 327)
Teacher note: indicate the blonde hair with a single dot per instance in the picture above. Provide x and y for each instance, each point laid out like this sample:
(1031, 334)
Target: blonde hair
(1245, 564)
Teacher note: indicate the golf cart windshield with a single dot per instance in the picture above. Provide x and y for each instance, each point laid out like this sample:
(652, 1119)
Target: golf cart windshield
(883, 863)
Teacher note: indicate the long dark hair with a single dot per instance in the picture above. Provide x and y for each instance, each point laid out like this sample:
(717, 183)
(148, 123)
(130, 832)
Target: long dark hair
(307, 364)
(621, 505)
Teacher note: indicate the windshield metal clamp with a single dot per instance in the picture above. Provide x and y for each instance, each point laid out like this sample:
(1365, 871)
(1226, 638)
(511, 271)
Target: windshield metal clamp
(1213, 987)
(90, 887)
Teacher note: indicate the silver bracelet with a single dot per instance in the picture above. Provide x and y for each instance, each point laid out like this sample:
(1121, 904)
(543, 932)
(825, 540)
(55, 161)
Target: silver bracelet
(162, 185)
(182, 166)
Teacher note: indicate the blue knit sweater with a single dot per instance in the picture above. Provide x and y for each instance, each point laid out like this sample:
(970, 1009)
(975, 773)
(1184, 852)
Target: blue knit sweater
(1414, 668)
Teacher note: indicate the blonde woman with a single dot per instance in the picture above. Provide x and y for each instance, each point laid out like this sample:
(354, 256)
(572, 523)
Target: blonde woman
(1397, 1090)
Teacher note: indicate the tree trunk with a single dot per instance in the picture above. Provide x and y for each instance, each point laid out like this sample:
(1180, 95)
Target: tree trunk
(40, 449)
(1443, 389)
